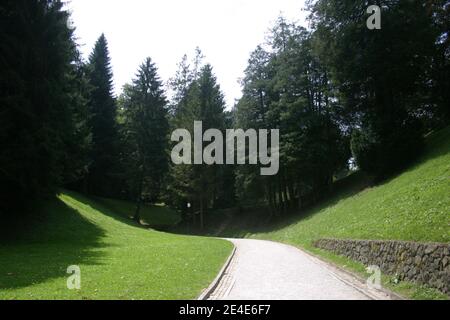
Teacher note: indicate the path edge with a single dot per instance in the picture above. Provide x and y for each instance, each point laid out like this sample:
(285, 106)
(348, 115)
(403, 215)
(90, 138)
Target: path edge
(391, 294)
(213, 286)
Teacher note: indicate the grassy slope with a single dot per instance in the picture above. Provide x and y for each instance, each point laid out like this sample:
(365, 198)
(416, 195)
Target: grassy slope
(413, 206)
(118, 260)
(155, 215)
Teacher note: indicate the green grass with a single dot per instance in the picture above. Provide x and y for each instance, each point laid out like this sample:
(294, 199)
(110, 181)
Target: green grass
(413, 206)
(118, 260)
(154, 215)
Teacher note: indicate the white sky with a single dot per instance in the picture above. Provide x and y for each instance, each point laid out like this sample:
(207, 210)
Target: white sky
(226, 31)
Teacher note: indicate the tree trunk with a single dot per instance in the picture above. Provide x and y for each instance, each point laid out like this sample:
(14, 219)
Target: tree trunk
(271, 199)
(137, 214)
(202, 225)
(282, 194)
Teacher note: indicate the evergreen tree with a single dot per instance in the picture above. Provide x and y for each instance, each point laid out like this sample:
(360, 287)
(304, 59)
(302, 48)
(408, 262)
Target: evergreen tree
(37, 53)
(180, 84)
(199, 184)
(287, 88)
(145, 131)
(382, 75)
(251, 113)
(103, 173)
(440, 84)
(78, 140)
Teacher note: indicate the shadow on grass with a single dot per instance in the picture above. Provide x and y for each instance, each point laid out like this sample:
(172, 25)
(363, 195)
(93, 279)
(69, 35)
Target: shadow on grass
(43, 248)
(152, 217)
(100, 205)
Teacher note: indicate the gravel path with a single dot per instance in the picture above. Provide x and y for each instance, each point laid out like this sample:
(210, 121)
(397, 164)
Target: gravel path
(264, 270)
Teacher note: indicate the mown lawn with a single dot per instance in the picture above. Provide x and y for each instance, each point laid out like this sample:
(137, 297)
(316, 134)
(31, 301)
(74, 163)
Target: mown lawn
(412, 206)
(155, 215)
(118, 260)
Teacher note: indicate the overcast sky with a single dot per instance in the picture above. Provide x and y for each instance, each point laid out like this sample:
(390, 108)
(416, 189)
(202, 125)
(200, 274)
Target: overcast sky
(227, 31)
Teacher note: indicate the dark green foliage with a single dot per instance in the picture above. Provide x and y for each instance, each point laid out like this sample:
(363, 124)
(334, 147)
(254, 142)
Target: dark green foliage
(36, 86)
(328, 88)
(145, 130)
(226, 188)
(199, 99)
(440, 84)
(103, 171)
(382, 155)
(78, 141)
(286, 87)
(383, 76)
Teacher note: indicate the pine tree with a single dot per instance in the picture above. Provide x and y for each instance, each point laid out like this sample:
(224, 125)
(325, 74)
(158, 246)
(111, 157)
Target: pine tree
(179, 85)
(382, 75)
(78, 141)
(104, 157)
(199, 184)
(251, 113)
(145, 129)
(287, 88)
(37, 53)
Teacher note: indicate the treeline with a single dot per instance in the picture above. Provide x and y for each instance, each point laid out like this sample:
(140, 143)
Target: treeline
(340, 91)
(337, 91)
(44, 128)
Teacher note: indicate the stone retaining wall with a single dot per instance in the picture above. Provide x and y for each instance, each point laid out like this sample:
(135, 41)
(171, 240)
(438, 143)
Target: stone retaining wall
(424, 263)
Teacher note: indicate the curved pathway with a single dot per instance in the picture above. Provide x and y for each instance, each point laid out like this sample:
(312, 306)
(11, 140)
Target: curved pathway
(264, 270)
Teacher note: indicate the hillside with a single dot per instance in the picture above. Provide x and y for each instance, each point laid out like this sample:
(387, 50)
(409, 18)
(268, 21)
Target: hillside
(118, 260)
(158, 216)
(414, 206)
